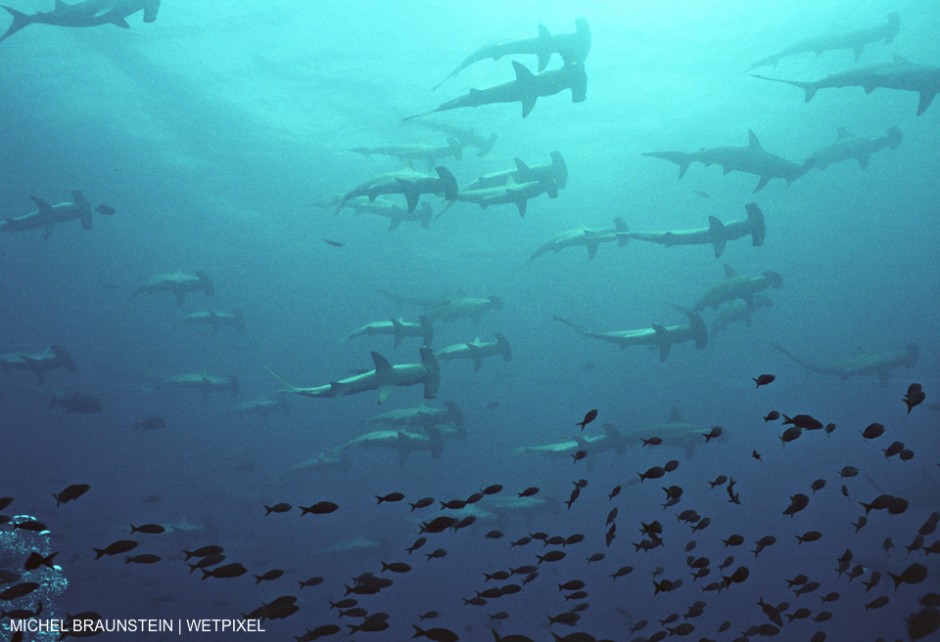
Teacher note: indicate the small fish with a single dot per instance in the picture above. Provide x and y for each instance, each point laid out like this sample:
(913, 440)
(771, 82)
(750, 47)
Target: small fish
(529, 492)
(579, 455)
(333, 243)
(915, 395)
(873, 431)
(150, 423)
(115, 548)
(652, 441)
(143, 558)
(281, 507)
(773, 415)
(320, 508)
(149, 529)
(702, 194)
(390, 497)
(756, 455)
(763, 380)
(70, 493)
(35, 560)
(588, 418)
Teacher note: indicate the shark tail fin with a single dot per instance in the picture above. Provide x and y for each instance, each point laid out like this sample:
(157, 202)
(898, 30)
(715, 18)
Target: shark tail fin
(755, 223)
(433, 380)
(502, 346)
(808, 87)
(571, 324)
(288, 386)
(427, 330)
(450, 183)
(20, 20)
(682, 159)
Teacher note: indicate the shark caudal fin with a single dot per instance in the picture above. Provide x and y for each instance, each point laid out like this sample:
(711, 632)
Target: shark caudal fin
(449, 182)
(571, 324)
(808, 87)
(20, 20)
(487, 145)
(716, 230)
(432, 381)
(682, 159)
(755, 224)
(427, 330)
(502, 347)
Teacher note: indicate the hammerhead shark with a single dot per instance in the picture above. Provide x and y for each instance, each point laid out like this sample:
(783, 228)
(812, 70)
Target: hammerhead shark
(395, 213)
(383, 378)
(420, 416)
(750, 159)
(46, 216)
(899, 74)
(409, 183)
(556, 171)
(88, 13)
(509, 193)
(465, 135)
(542, 46)
(398, 328)
(854, 40)
(477, 351)
(848, 147)
(431, 154)
(738, 287)
(590, 238)
(717, 234)
(861, 364)
(658, 336)
(38, 363)
(179, 283)
(525, 89)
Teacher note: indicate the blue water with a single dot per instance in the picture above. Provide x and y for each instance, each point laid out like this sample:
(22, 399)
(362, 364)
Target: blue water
(220, 133)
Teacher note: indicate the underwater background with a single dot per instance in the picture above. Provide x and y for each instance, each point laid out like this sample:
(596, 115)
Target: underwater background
(221, 134)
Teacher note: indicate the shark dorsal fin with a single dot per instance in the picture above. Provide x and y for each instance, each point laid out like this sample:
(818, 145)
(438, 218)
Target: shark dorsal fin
(729, 272)
(383, 369)
(544, 32)
(715, 225)
(523, 75)
(752, 140)
(521, 165)
(675, 416)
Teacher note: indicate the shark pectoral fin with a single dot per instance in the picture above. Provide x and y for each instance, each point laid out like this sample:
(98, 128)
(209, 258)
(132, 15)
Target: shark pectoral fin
(477, 355)
(528, 102)
(410, 190)
(519, 199)
(719, 245)
(925, 99)
(384, 392)
(762, 183)
(663, 341)
(592, 244)
(118, 21)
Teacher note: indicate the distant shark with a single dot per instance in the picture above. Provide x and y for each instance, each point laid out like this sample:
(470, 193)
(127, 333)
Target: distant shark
(899, 74)
(464, 307)
(854, 40)
(420, 416)
(739, 310)
(431, 154)
(88, 13)
(215, 320)
(405, 442)
(477, 351)
(203, 382)
(383, 378)
(657, 336)
(717, 234)
(542, 46)
(409, 183)
(395, 213)
(848, 147)
(527, 88)
(39, 363)
(47, 216)
(737, 287)
(261, 407)
(399, 329)
(751, 159)
(861, 364)
(589, 238)
(610, 440)
(675, 432)
(179, 283)
(465, 135)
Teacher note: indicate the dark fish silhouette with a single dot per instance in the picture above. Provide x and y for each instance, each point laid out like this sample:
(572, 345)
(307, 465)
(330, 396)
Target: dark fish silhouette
(70, 493)
(333, 243)
(588, 418)
(763, 380)
(914, 397)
